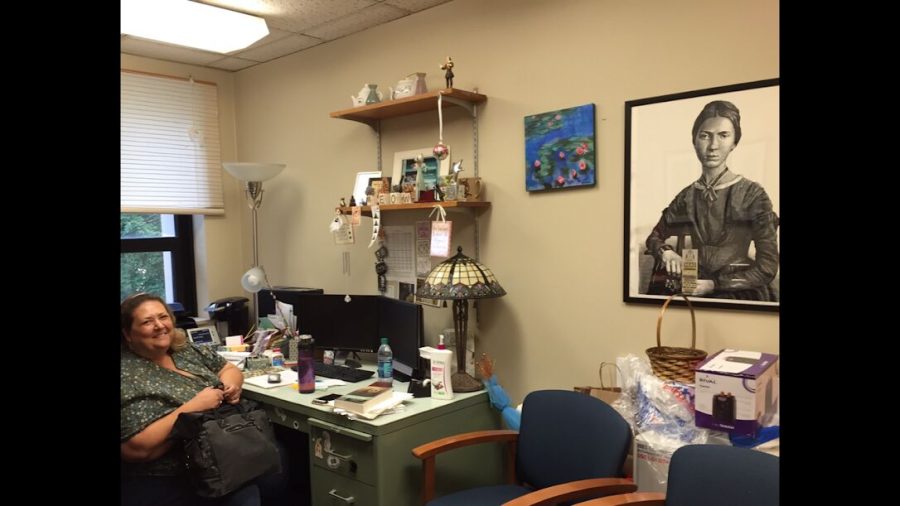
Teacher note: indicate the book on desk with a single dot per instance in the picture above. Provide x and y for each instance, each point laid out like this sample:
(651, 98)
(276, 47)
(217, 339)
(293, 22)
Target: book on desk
(364, 399)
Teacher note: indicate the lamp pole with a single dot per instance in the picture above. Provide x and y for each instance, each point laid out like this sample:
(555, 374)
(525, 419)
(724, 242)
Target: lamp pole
(254, 200)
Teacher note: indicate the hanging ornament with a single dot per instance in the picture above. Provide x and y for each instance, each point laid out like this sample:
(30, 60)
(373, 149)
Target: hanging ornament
(441, 151)
(337, 221)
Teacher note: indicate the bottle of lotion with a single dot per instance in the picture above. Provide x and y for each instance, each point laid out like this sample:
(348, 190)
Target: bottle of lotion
(440, 358)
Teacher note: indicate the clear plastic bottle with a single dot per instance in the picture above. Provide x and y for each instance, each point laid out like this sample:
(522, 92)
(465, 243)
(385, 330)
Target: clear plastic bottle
(306, 374)
(385, 362)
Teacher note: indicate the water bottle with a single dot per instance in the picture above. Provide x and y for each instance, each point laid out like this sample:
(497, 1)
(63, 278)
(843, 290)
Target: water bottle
(306, 374)
(385, 363)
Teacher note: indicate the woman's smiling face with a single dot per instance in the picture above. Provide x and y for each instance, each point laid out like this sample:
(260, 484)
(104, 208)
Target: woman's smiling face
(151, 329)
(714, 141)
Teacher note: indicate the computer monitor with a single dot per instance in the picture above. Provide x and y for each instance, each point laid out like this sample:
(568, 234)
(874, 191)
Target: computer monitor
(286, 294)
(337, 324)
(404, 325)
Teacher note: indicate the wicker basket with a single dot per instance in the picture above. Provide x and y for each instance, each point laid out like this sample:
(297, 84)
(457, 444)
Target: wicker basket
(671, 363)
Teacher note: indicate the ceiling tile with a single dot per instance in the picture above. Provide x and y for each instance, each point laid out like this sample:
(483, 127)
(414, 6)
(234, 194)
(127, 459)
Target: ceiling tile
(231, 63)
(281, 47)
(415, 5)
(300, 15)
(358, 21)
(162, 51)
(274, 35)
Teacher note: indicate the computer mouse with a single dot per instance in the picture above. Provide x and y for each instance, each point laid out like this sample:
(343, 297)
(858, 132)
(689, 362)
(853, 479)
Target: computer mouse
(275, 377)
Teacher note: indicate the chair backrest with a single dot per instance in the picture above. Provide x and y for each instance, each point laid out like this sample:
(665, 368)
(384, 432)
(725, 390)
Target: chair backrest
(705, 475)
(567, 436)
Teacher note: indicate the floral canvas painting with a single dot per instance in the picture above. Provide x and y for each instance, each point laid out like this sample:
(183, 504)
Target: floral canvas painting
(559, 149)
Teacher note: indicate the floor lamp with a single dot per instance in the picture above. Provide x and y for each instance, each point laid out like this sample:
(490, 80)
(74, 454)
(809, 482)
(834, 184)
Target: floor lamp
(460, 278)
(253, 175)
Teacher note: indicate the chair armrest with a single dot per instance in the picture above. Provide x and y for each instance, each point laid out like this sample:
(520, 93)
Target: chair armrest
(636, 499)
(574, 490)
(428, 451)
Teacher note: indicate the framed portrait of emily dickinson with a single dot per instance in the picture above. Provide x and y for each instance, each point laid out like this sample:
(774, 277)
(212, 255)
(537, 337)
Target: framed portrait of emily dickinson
(702, 197)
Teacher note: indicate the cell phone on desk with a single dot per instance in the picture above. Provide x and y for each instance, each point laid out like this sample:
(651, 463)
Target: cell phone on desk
(325, 399)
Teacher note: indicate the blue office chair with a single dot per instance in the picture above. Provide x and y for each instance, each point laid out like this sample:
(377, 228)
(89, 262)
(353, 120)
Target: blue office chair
(708, 475)
(564, 437)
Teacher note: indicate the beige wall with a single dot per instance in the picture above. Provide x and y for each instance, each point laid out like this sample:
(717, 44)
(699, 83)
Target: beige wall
(559, 255)
(218, 268)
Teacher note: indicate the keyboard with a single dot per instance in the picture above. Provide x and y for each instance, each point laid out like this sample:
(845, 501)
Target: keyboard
(340, 372)
(259, 372)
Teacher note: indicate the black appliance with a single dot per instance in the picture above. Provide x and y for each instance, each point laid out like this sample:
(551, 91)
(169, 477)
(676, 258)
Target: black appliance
(231, 314)
(182, 320)
(724, 409)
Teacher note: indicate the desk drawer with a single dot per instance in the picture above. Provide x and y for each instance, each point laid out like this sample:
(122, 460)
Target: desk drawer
(287, 418)
(341, 450)
(330, 489)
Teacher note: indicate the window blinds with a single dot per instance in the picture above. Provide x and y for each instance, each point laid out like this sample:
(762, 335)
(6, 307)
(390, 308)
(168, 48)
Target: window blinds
(169, 147)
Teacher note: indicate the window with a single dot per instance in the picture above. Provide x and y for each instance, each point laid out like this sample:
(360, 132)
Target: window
(169, 170)
(157, 255)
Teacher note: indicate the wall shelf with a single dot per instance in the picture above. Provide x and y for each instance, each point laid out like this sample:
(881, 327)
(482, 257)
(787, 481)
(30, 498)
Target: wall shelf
(371, 114)
(450, 204)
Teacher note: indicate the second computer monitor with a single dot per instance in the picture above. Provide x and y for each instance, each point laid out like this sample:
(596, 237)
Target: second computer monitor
(403, 324)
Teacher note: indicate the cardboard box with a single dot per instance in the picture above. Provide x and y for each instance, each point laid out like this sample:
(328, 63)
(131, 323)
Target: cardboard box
(653, 453)
(735, 391)
(651, 461)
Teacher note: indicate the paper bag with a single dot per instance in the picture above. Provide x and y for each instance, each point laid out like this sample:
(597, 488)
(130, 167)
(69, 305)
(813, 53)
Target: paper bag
(603, 392)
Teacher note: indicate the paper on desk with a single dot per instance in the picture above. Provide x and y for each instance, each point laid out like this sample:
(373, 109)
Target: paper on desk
(287, 377)
(378, 409)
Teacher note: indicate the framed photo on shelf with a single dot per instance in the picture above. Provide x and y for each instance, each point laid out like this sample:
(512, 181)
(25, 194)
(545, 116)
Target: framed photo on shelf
(363, 180)
(730, 218)
(405, 171)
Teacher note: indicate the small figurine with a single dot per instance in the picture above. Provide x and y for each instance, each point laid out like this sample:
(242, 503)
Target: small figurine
(352, 201)
(448, 76)
(457, 168)
(343, 203)
(381, 268)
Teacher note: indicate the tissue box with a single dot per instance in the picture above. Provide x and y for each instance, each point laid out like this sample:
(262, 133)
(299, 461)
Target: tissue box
(735, 391)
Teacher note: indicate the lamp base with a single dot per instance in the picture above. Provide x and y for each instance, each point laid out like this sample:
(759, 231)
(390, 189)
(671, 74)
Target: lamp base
(463, 382)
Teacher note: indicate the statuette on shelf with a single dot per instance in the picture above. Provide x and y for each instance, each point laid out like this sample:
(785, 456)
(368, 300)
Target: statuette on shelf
(448, 75)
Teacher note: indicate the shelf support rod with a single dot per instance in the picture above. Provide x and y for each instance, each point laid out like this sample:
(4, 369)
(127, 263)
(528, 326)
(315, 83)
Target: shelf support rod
(377, 127)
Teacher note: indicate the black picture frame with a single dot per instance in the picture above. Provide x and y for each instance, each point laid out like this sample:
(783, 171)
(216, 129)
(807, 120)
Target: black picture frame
(660, 162)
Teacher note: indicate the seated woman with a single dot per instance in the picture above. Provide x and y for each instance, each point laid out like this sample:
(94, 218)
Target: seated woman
(162, 375)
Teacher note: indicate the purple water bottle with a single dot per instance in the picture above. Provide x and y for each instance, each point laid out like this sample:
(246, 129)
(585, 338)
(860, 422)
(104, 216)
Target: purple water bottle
(306, 375)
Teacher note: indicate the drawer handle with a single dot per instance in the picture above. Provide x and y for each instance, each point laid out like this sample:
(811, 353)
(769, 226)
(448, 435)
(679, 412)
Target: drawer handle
(338, 455)
(348, 500)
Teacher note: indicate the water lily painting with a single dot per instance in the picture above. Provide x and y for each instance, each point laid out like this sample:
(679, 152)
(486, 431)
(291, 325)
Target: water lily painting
(559, 149)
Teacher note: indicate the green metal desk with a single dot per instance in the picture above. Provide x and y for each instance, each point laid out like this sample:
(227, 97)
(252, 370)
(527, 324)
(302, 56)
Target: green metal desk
(369, 462)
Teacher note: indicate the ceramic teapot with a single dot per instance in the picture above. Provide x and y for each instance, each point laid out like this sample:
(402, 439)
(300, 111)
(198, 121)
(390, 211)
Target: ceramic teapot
(367, 95)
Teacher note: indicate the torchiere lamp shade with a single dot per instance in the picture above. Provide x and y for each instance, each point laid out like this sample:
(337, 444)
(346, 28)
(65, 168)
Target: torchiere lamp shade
(460, 278)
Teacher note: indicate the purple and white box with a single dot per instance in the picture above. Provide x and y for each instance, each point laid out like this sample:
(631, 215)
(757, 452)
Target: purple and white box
(735, 391)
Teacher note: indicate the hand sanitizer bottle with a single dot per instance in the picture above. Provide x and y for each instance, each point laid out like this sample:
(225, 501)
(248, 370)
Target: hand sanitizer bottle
(440, 358)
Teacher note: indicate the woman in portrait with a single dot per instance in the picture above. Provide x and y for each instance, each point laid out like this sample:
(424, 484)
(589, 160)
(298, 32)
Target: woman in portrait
(723, 213)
